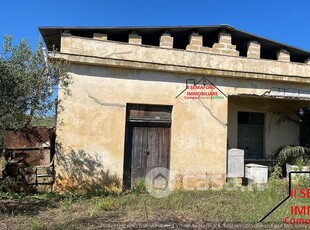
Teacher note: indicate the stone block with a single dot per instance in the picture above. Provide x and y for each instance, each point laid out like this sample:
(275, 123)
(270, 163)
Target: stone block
(196, 42)
(205, 49)
(253, 50)
(195, 182)
(225, 49)
(30, 179)
(224, 38)
(100, 36)
(253, 55)
(283, 55)
(215, 181)
(45, 170)
(224, 46)
(192, 47)
(219, 46)
(254, 45)
(229, 52)
(231, 47)
(166, 41)
(28, 170)
(215, 50)
(45, 180)
(134, 38)
(195, 39)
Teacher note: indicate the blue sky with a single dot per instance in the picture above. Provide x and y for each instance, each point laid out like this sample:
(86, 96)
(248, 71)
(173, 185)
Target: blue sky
(286, 21)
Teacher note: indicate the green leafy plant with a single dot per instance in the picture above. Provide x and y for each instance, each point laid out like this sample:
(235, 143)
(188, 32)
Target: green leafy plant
(302, 180)
(66, 204)
(139, 187)
(276, 172)
(291, 154)
(36, 224)
(106, 204)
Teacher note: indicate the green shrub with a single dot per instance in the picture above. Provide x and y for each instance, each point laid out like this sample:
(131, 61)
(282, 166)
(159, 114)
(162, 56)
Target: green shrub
(276, 172)
(301, 180)
(291, 154)
(139, 187)
(106, 204)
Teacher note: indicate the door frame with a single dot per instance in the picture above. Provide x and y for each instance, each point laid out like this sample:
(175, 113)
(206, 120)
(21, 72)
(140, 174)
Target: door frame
(253, 125)
(139, 122)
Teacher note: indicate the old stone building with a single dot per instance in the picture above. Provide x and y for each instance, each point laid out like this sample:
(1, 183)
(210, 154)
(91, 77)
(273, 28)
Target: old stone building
(172, 97)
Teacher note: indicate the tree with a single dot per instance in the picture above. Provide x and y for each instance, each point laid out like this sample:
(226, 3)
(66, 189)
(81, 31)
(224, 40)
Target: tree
(28, 81)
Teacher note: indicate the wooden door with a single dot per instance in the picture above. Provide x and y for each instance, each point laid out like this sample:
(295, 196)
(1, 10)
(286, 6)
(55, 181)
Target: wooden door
(250, 138)
(147, 141)
(150, 149)
(251, 134)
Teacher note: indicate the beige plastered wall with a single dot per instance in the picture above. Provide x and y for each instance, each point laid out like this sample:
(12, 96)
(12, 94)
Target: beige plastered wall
(93, 121)
(277, 132)
(91, 128)
(94, 118)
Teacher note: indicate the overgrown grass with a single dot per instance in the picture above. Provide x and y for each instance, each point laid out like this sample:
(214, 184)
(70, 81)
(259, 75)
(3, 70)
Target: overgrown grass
(72, 211)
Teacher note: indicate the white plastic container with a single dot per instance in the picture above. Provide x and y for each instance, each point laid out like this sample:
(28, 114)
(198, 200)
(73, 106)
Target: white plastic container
(235, 163)
(258, 174)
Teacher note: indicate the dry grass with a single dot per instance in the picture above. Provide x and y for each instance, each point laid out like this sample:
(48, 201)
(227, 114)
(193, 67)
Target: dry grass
(183, 209)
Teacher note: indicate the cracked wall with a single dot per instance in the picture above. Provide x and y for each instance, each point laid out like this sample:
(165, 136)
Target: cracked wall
(94, 122)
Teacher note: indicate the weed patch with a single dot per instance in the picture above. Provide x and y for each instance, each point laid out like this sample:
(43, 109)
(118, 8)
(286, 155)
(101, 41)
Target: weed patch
(74, 211)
